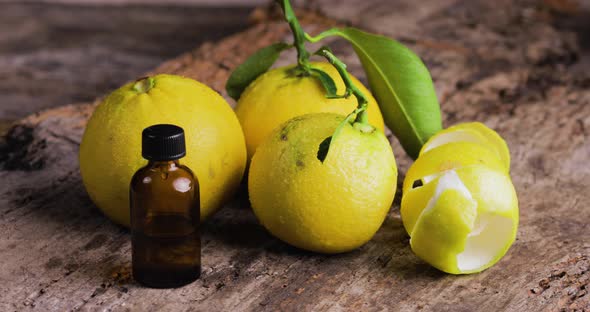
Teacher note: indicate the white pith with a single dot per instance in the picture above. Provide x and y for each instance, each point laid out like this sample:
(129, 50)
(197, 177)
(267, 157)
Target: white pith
(485, 242)
(489, 232)
(427, 179)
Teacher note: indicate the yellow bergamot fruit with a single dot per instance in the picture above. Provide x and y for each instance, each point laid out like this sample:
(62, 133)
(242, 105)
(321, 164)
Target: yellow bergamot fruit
(332, 206)
(280, 94)
(110, 151)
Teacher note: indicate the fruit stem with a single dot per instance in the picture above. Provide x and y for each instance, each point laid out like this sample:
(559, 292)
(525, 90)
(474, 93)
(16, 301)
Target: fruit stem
(322, 35)
(143, 85)
(298, 36)
(351, 88)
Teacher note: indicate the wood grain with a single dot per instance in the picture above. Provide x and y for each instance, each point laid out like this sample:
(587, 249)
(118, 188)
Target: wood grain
(521, 67)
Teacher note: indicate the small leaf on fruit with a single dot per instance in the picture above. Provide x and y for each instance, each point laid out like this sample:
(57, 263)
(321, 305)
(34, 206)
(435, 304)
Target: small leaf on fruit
(324, 148)
(326, 81)
(256, 65)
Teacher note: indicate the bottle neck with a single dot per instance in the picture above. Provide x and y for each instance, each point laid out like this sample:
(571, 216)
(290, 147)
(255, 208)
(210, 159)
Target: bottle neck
(164, 164)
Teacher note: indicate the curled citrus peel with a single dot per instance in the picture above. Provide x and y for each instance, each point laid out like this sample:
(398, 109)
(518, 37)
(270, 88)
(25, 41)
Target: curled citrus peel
(459, 205)
(474, 132)
(450, 156)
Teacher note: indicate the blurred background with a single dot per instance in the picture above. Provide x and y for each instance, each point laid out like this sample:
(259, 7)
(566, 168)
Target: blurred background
(56, 52)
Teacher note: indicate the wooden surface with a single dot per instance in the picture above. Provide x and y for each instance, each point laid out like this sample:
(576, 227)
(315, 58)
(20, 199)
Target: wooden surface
(522, 67)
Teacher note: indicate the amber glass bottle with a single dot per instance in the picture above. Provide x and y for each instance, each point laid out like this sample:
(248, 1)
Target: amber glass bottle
(165, 212)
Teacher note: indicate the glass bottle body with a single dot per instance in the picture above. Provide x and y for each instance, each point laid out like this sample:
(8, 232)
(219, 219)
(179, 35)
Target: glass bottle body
(165, 216)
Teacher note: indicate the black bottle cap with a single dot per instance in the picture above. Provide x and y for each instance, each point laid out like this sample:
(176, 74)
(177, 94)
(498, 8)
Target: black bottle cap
(163, 142)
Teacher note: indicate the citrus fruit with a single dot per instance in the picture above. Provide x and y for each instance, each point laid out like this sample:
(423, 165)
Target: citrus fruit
(463, 220)
(110, 151)
(474, 132)
(332, 206)
(279, 95)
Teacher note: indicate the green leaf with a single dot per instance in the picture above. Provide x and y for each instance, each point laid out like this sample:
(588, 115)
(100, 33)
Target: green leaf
(401, 84)
(256, 65)
(326, 81)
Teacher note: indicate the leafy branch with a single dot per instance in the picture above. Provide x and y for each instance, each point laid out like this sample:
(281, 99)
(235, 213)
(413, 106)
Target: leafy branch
(399, 80)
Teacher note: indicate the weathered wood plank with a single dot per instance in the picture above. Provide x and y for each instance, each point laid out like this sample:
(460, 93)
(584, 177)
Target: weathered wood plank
(508, 64)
